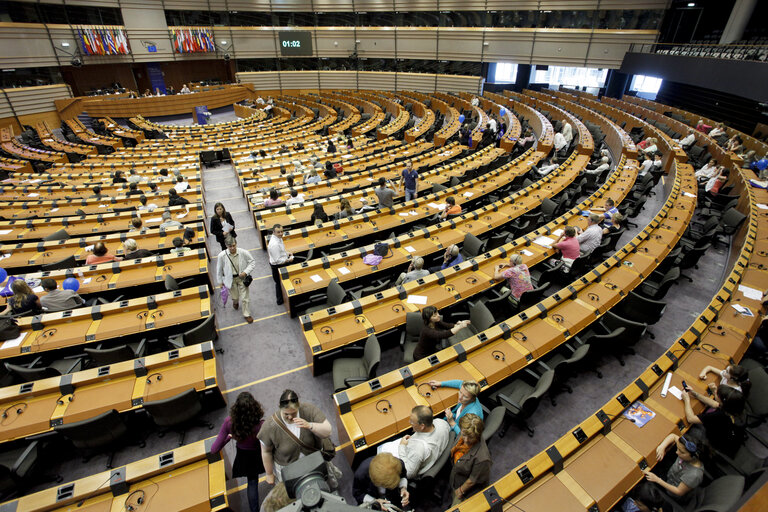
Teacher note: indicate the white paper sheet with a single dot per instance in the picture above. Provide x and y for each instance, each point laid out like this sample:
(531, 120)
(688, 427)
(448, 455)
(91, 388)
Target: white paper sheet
(344, 271)
(5, 231)
(558, 232)
(154, 219)
(742, 310)
(762, 206)
(14, 342)
(409, 248)
(52, 210)
(316, 278)
(688, 194)
(403, 214)
(89, 248)
(750, 293)
(527, 252)
(468, 194)
(544, 241)
(33, 194)
(417, 299)
(87, 280)
(675, 392)
(38, 289)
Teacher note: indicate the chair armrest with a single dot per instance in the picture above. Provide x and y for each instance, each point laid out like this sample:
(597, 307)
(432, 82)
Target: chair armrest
(177, 340)
(460, 314)
(141, 348)
(353, 381)
(18, 463)
(508, 404)
(533, 373)
(757, 438)
(35, 361)
(402, 340)
(77, 363)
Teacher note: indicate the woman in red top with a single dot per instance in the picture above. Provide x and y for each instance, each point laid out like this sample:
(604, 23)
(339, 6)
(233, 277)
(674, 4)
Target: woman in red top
(568, 245)
(100, 255)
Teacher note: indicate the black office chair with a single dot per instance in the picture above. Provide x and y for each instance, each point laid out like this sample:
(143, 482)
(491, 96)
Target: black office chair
(409, 338)
(472, 246)
(348, 372)
(33, 372)
(721, 495)
(106, 356)
(757, 401)
(641, 309)
(334, 295)
(493, 421)
(531, 297)
(206, 331)
(58, 235)
(521, 397)
(19, 467)
(177, 413)
(66, 263)
(657, 286)
(562, 362)
(480, 319)
(105, 431)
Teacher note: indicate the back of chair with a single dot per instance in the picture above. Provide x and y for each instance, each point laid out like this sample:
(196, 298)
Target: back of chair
(721, 495)
(206, 331)
(336, 294)
(176, 409)
(531, 297)
(371, 355)
(472, 245)
(480, 317)
(96, 432)
(413, 326)
(31, 374)
(58, 235)
(731, 220)
(493, 422)
(66, 263)
(107, 356)
(170, 283)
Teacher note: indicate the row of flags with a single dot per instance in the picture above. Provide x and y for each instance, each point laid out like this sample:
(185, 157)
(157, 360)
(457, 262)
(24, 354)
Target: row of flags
(103, 41)
(192, 39)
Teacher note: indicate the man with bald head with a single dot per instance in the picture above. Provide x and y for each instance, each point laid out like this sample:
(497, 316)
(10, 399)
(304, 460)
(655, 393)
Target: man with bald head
(415, 271)
(451, 257)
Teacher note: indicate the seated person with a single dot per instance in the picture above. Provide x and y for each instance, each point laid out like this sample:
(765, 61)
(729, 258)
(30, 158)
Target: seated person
(132, 251)
(100, 255)
(471, 459)
(118, 178)
(168, 222)
(96, 193)
(609, 210)
(385, 194)
(330, 172)
(295, 198)
(23, 301)
(604, 165)
(709, 170)
(451, 208)
(345, 209)
(452, 256)
(415, 271)
(136, 225)
(274, 199)
(174, 199)
(598, 160)
(687, 472)
(434, 331)
(702, 127)
(617, 222)
(547, 167)
(687, 141)
(178, 246)
(277, 499)
(517, 276)
(568, 245)
(723, 421)
(144, 206)
(733, 375)
(181, 185)
(58, 300)
(590, 238)
(381, 478)
(717, 131)
(645, 166)
(713, 186)
(318, 215)
(468, 403)
(646, 497)
(313, 178)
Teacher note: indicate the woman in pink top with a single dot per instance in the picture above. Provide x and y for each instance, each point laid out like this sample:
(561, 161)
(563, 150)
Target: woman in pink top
(568, 245)
(517, 276)
(273, 200)
(100, 255)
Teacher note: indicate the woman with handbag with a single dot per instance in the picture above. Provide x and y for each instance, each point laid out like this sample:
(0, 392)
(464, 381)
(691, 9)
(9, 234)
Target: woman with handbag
(296, 429)
(243, 425)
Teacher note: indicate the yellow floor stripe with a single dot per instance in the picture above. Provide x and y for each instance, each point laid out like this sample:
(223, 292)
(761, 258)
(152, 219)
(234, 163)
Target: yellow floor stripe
(255, 278)
(267, 378)
(254, 321)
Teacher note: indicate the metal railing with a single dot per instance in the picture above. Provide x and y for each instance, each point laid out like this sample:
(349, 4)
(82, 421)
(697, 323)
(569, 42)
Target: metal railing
(755, 52)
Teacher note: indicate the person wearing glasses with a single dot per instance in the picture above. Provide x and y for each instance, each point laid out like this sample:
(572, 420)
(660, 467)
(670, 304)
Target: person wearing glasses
(687, 472)
(297, 429)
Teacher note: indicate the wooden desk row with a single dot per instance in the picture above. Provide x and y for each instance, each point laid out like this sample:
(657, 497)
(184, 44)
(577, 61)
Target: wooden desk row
(118, 131)
(536, 120)
(118, 163)
(81, 326)
(310, 276)
(48, 140)
(563, 476)
(586, 142)
(87, 224)
(330, 192)
(329, 330)
(50, 209)
(504, 349)
(123, 386)
(33, 254)
(90, 137)
(187, 478)
(314, 146)
(124, 274)
(83, 191)
(514, 129)
(19, 150)
(15, 165)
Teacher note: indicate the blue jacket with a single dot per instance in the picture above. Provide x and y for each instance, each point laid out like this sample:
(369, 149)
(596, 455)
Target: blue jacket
(473, 407)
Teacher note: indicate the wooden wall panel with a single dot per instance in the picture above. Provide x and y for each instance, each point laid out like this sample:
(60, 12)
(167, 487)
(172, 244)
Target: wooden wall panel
(462, 44)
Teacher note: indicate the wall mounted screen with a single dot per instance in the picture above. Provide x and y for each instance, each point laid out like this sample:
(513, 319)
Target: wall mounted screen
(295, 43)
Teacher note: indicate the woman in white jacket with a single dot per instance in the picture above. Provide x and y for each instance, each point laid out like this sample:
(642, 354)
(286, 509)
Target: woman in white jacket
(232, 267)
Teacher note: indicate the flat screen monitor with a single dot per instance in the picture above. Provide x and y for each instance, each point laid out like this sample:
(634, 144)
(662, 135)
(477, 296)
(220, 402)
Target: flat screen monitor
(295, 43)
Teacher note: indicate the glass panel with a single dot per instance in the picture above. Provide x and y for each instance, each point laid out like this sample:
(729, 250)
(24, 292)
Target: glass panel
(570, 76)
(30, 77)
(642, 83)
(506, 73)
(250, 19)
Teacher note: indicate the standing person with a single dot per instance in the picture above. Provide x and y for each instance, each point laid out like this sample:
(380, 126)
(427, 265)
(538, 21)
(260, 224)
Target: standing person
(222, 224)
(243, 425)
(434, 331)
(471, 459)
(296, 429)
(278, 257)
(231, 270)
(410, 181)
(385, 194)
(517, 275)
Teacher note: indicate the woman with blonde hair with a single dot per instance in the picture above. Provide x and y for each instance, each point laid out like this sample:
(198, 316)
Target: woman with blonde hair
(468, 403)
(23, 301)
(471, 460)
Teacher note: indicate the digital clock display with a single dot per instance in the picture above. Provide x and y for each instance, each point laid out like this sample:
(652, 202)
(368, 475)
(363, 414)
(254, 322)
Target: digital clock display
(295, 43)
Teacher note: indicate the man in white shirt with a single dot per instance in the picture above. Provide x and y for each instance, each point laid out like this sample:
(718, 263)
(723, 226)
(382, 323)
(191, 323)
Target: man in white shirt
(233, 265)
(547, 167)
(295, 198)
(590, 238)
(278, 257)
(184, 89)
(645, 167)
(560, 142)
(493, 125)
(475, 102)
(181, 185)
(688, 140)
(707, 172)
(605, 164)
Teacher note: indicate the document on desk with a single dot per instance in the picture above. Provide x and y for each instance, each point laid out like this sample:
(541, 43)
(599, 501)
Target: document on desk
(438, 206)
(639, 414)
(762, 206)
(558, 232)
(154, 219)
(344, 271)
(742, 310)
(751, 293)
(316, 278)
(676, 392)
(87, 280)
(544, 241)
(417, 299)
(5, 231)
(688, 194)
(409, 248)
(14, 342)
(527, 252)
(468, 194)
(403, 214)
